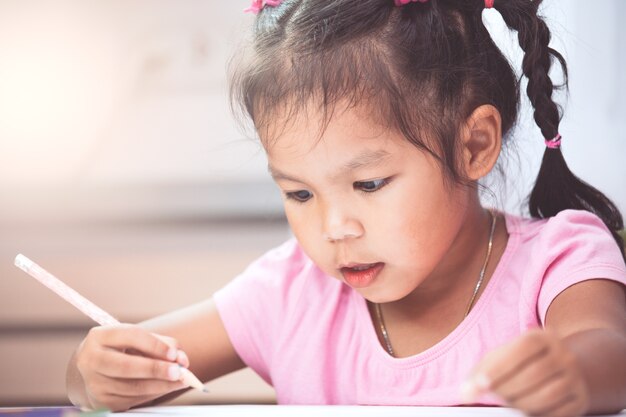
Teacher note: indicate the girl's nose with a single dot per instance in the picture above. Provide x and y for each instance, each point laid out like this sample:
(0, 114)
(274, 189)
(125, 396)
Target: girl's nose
(339, 226)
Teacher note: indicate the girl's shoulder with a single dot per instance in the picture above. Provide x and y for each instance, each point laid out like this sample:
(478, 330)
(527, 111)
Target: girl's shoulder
(577, 238)
(546, 256)
(567, 230)
(266, 307)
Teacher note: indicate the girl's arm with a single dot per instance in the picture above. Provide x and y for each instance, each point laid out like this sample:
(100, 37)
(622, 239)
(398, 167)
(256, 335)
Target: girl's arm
(590, 318)
(575, 366)
(119, 367)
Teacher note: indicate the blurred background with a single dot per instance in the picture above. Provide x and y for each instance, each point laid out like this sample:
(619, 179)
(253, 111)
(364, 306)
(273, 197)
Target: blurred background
(123, 172)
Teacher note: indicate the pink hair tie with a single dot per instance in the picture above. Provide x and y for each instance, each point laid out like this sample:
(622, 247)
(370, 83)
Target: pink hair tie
(257, 5)
(403, 2)
(554, 143)
(489, 4)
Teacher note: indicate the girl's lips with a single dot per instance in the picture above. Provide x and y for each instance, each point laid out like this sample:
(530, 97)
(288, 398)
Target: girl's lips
(360, 276)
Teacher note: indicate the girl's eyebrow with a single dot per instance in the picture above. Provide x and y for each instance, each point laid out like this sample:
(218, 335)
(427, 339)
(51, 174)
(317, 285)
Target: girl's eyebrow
(364, 159)
(279, 175)
(367, 158)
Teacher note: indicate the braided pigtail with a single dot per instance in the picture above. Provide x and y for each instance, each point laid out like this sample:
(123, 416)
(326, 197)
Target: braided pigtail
(556, 188)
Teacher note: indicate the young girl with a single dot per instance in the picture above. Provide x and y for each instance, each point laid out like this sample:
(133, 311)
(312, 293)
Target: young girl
(379, 117)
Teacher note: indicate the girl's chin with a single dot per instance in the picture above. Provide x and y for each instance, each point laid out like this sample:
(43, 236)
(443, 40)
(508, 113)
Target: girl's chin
(381, 294)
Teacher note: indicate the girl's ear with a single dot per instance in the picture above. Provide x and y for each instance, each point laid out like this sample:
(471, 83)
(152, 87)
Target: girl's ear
(481, 139)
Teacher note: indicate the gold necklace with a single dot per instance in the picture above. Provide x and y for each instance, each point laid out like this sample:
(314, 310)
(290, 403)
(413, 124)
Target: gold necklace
(379, 313)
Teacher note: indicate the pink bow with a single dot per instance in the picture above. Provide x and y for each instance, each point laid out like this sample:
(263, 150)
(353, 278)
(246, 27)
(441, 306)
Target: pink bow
(403, 2)
(257, 5)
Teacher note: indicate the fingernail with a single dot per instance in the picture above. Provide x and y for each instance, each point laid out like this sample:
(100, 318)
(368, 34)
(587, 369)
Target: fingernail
(182, 358)
(173, 372)
(172, 354)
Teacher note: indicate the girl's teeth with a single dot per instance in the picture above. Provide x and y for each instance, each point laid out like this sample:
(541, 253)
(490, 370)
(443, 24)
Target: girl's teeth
(361, 267)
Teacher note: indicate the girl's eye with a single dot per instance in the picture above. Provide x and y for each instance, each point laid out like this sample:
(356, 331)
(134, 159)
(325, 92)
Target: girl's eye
(300, 196)
(371, 186)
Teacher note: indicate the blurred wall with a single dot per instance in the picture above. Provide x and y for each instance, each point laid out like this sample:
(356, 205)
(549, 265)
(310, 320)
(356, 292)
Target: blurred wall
(110, 92)
(122, 171)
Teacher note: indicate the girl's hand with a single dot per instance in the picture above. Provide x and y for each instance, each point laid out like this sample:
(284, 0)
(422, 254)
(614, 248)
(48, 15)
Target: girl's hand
(124, 365)
(535, 374)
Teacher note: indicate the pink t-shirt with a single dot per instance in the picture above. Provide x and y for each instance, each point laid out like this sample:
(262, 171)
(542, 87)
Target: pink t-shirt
(312, 338)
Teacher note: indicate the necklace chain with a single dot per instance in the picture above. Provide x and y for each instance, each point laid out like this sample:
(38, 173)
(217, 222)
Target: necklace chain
(481, 277)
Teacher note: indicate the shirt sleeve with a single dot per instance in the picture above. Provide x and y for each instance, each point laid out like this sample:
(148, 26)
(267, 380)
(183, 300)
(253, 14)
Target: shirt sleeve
(580, 248)
(253, 306)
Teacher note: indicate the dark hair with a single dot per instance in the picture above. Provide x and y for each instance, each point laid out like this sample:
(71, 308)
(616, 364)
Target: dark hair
(421, 69)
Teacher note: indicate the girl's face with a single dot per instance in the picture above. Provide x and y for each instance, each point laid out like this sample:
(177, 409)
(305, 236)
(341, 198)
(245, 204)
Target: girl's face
(367, 207)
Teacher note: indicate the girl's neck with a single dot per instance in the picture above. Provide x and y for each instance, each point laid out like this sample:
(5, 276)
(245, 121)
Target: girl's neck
(453, 280)
(438, 305)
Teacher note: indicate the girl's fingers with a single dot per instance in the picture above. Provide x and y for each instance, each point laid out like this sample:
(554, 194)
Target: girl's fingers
(563, 393)
(566, 408)
(130, 337)
(137, 388)
(181, 357)
(535, 374)
(125, 365)
(513, 359)
(170, 341)
(529, 379)
(552, 399)
(100, 397)
(500, 365)
(115, 364)
(122, 393)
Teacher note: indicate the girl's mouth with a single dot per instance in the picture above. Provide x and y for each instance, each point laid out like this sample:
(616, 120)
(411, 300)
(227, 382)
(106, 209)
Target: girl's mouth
(361, 275)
